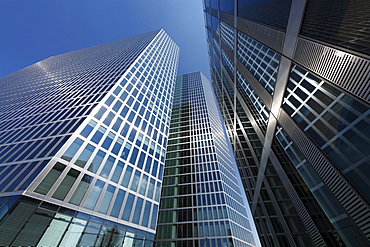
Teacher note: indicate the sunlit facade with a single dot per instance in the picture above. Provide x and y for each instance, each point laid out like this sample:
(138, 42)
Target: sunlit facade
(201, 202)
(83, 139)
(292, 82)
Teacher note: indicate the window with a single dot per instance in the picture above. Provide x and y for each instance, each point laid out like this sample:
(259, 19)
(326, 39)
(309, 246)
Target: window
(107, 167)
(50, 179)
(100, 113)
(151, 188)
(108, 140)
(117, 172)
(109, 118)
(143, 184)
(109, 100)
(137, 212)
(154, 217)
(94, 195)
(106, 199)
(81, 190)
(72, 149)
(96, 162)
(342, 25)
(85, 155)
(117, 106)
(88, 128)
(146, 213)
(135, 181)
(98, 134)
(125, 130)
(117, 146)
(117, 124)
(127, 176)
(128, 207)
(66, 184)
(118, 203)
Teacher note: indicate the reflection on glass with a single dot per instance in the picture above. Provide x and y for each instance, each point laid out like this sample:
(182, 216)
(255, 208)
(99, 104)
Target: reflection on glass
(346, 24)
(272, 13)
(81, 190)
(106, 199)
(55, 230)
(94, 194)
(73, 233)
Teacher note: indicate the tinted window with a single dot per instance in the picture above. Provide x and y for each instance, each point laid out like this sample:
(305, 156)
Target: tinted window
(272, 13)
(346, 24)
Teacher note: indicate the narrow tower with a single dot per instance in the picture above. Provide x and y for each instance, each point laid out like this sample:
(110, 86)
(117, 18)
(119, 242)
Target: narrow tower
(201, 202)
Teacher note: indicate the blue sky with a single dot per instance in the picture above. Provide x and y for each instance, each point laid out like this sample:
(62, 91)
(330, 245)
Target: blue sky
(32, 30)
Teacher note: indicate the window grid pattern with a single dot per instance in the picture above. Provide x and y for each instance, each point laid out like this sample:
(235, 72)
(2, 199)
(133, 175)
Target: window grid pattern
(45, 224)
(326, 200)
(262, 62)
(227, 35)
(43, 103)
(253, 96)
(338, 123)
(18, 177)
(239, 223)
(118, 157)
(228, 64)
(269, 214)
(200, 198)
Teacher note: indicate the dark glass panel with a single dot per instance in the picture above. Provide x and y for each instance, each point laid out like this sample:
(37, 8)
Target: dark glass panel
(33, 175)
(227, 6)
(273, 13)
(81, 190)
(346, 24)
(66, 184)
(50, 179)
(214, 4)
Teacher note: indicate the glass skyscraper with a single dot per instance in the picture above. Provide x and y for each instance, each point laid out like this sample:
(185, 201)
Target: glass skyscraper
(201, 202)
(83, 139)
(292, 82)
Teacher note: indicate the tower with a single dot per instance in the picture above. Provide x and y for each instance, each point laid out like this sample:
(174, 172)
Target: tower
(83, 138)
(292, 81)
(201, 201)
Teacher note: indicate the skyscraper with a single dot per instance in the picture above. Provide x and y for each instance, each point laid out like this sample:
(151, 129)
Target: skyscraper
(292, 81)
(83, 138)
(201, 202)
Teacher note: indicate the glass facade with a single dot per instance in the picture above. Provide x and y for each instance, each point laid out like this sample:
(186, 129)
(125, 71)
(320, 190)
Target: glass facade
(259, 60)
(300, 136)
(274, 13)
(201, 202)
(345, 25)
(338, 123)
(46, 224)
(93, 141)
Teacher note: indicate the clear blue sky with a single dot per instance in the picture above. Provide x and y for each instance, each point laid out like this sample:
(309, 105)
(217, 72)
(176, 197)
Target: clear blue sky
(32, 30)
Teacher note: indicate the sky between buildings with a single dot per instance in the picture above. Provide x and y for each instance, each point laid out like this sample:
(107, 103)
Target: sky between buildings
(32, 30)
